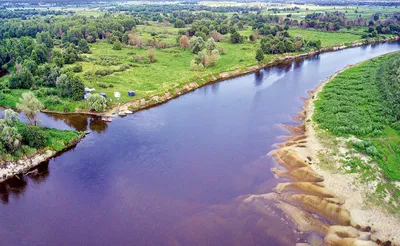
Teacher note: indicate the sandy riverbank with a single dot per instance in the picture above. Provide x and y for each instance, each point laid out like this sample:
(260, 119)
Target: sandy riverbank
(145, 103)
(328, 193)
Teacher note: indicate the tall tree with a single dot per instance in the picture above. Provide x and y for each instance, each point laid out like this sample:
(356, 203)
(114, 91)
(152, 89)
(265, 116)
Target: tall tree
(30, 106)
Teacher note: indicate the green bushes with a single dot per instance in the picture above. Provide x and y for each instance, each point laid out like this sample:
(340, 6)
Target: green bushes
(52, 100)
(105, 72)
(17, 139)
(33, 136)
(97, 102)
(70, 86)
(77, 68)
(107, 61)
(352, 103)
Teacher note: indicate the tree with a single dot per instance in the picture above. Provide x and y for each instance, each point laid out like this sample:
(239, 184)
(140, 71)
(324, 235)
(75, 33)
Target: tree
(224, 29)
(50, 77)
(97, 102)
(30, 106)
(45, 38)
(184, 42)
(259, 55)
(70, 86)
(10, 117)
(179, 23)
(10, 140)
(125, 38)
(83, 46)
(21, 80)
(57, 58)
(236, 38)
(31, 65)
(70, 55)
(281, 47)
(196, 44)
(266, 45)
(211, 45)
(77, 87)
(62, 83)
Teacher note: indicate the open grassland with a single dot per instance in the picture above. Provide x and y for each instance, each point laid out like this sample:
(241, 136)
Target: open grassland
(353, 105)
(327, 38)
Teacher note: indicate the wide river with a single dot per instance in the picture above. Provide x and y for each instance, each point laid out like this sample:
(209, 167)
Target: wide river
(174, 174)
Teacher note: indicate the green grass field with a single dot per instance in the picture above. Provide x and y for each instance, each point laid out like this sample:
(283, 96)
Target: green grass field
(327, 38)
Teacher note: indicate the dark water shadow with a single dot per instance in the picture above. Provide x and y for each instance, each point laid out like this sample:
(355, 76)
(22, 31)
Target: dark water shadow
(17, 185)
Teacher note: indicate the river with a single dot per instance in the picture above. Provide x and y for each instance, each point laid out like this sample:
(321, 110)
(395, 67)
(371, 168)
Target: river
(173, 174)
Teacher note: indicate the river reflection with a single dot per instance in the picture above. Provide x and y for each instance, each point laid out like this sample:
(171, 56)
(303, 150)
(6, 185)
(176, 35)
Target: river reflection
(78, 122)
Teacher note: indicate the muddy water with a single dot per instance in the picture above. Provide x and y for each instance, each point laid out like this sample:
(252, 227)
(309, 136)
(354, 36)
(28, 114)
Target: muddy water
(175, 174)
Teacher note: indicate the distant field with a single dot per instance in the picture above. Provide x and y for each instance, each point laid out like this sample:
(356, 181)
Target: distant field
(327, 38)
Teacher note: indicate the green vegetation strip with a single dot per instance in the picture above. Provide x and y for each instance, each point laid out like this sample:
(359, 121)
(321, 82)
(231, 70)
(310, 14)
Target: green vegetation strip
(18, 139)
(356, 102)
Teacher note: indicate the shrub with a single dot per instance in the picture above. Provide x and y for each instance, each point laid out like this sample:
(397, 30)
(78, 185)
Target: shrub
(33, 136)
(117, 45)
(152, 55)
(372, 151)
(104, 72)
(102, 85)
(97, 102)
(124, 67)
(194, 66)
(196, 44)
(52, 100)
(77, 68)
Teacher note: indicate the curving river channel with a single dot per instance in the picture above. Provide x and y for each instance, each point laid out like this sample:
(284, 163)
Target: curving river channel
(174, 174)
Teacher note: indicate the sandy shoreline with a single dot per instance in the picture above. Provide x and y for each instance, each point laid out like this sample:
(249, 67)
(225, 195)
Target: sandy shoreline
(327, 192)
(153, 101)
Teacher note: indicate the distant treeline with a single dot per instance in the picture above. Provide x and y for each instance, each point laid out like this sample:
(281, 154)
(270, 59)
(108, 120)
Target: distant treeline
(23, 14)
(188, 7)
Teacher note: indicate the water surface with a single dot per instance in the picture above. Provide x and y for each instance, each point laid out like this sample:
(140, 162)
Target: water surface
(173, 174)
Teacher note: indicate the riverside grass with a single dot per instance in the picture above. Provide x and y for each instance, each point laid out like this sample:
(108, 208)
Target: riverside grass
(352, 105)
(172, 69)
(56, 140)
